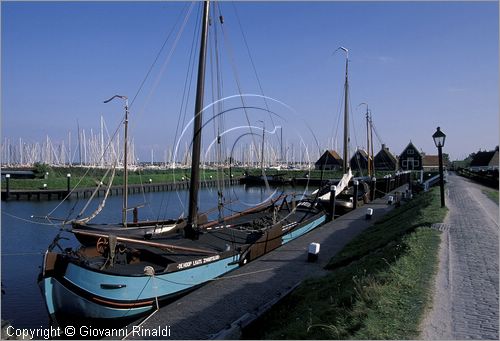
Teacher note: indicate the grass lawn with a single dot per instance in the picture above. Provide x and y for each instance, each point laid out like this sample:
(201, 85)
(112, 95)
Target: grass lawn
(85, 177)
(378, 287)
(492, 194)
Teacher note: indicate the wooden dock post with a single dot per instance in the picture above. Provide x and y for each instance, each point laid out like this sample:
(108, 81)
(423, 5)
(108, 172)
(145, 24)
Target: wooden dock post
(68, 177)
(7, 188)
(331, 208)
(355, 199)
(373, 189)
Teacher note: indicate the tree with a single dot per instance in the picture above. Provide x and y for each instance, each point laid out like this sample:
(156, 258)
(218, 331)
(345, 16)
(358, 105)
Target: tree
(40, 169)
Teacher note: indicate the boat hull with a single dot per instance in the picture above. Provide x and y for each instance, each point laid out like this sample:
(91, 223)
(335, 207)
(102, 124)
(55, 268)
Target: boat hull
(85, 292)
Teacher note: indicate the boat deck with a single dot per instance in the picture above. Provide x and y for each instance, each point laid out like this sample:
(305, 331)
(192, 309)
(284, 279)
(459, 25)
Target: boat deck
(243, 232)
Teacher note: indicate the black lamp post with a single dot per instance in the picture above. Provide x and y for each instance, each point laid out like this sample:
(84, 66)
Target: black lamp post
(439, 138)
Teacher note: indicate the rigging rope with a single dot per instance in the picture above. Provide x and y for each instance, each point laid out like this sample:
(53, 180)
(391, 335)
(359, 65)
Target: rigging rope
(103, 202)
(29, 221)
(158, 56)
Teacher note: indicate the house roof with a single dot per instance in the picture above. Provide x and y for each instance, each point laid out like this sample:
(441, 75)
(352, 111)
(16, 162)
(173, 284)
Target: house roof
(334, 154)
(411, 145)
(329, 155)
(385, 154)
(482, 159)
(430, 161)
(361, 152)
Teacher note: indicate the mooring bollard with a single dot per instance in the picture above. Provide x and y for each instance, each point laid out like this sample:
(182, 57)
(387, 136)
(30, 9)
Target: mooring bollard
(135, 212)
(355, 199)
(373, 189)
(331, 209)
(7, 188)
(369, 213)
(313, 252)
(68, 177)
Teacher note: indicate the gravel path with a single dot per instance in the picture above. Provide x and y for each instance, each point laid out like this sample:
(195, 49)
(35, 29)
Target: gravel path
(465, 304)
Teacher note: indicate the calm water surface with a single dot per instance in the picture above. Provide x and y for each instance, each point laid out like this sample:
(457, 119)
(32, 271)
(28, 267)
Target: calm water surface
(24, 239)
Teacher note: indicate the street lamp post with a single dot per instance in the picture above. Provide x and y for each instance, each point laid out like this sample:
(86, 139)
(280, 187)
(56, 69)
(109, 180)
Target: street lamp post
(439, 138)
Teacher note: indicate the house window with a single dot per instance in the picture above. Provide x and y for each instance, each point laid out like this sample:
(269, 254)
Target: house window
(410, 152)
(416, 163)
(404, 163)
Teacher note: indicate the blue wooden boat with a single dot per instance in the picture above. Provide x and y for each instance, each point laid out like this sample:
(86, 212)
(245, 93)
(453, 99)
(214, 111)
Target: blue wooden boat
(123, 277)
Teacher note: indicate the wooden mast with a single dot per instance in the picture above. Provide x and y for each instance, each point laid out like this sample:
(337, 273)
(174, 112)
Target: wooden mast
(346, 113)
(368, 142)
(371, 140)
(192, 220)
(125, 168)
(125, 157)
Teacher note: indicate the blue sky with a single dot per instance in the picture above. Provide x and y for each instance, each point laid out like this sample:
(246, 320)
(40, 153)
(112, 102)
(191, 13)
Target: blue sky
(417, 65)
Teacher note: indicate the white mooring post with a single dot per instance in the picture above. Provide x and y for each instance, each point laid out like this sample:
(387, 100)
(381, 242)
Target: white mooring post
(391, 199)
(369, 213)
(313, 252)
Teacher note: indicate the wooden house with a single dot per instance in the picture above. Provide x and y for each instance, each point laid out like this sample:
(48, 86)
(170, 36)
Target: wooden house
(485, 160)
(385, 160)
(330, 160)
(431, 163)
(359, 160)
(410, 158)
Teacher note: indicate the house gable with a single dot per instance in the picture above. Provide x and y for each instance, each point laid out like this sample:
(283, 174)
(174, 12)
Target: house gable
(410, 158)
(385, 160)
(359, 160)
(329, 160)
(494, 160)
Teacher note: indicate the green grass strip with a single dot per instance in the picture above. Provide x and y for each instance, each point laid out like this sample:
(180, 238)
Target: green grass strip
(492, 194)
(424, 210)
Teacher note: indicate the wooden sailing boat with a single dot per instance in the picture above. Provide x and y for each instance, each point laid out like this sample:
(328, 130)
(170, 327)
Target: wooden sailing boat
(345, 194)
(124, 277)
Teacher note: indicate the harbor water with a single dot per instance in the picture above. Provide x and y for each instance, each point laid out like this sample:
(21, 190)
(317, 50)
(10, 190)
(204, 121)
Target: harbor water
(26, 237)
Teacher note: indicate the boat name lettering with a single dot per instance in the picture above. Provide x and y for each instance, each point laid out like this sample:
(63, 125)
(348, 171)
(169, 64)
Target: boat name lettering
(200, 261)
(211, 259)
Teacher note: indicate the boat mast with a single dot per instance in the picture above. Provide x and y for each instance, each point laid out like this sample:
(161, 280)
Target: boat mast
(262, 149)
(368, 141)
(371, 140)
(125, 171)
(192, 219)
(346, 112)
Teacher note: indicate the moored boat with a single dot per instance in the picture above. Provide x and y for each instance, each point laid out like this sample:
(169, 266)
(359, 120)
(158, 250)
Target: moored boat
(124, 277)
